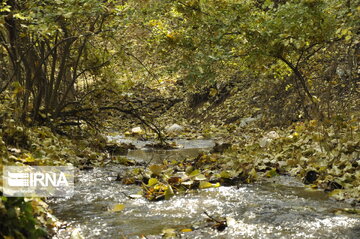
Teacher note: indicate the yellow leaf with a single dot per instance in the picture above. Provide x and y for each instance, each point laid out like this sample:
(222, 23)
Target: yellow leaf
(156, 169)
(152, 182)
(213, 92)
(348, 38)
(194, 173)
(204, 184)
(225, 174)
(186, 230)
(117, 208)
(338, 194)
(19, 16)
(344, 32)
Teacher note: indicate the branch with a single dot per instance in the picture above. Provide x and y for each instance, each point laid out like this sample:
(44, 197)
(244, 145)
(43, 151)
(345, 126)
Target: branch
(131, 112)
(143, 65)
(305, 50)
(298, 75)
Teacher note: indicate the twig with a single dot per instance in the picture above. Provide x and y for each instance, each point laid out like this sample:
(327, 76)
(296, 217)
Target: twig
(212, 218)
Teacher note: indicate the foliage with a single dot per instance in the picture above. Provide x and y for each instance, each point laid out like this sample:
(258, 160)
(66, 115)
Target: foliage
(17, 217)
(86, 53)
(52, 54)
(270, 42)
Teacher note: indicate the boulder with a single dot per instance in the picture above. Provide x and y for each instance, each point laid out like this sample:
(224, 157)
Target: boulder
(246, 121)
(273, 135)
(264, 142)
(175, 128)
(137, 130)
(268, 138)
(310, 177)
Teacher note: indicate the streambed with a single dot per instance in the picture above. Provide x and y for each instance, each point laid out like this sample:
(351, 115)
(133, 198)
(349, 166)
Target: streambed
(278, 208)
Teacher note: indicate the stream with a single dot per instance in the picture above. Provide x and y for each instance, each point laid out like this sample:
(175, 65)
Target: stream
(278, 208)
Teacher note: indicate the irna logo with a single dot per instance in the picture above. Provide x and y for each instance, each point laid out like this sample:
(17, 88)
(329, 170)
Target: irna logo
(37, 179)
(41, 181)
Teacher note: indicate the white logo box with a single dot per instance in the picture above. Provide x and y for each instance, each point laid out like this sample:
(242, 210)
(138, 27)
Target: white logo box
(38, 181)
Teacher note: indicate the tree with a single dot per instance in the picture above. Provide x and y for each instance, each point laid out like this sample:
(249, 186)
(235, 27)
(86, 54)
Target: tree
(212, 40)
(48, 48)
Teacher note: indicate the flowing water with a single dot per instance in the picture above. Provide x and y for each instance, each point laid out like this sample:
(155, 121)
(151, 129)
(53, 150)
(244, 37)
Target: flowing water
(279, 208)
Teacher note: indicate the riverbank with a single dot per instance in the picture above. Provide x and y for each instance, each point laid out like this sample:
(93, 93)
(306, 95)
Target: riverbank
(39, 146)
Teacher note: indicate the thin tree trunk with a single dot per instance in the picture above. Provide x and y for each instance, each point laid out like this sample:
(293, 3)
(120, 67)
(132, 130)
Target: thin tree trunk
(302, 81)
